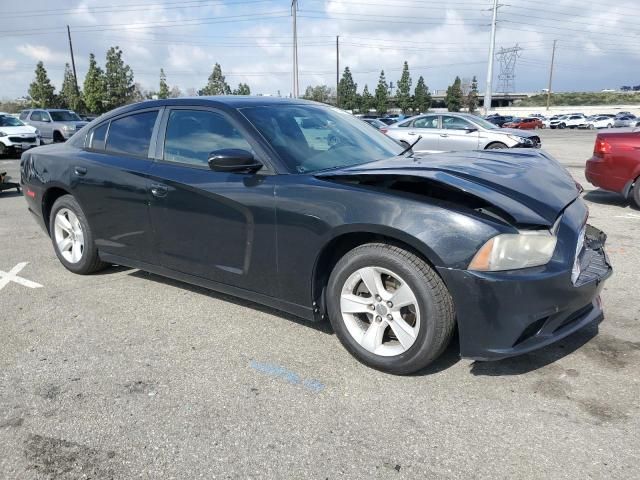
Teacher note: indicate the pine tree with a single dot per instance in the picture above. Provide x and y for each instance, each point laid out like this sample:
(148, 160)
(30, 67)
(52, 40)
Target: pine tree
(216, 84)
(94, 93)
(421, 96)
(41, 91)
(69, 95)
(164, 88)
(367, 102)
(403, 95)
(472, 97)
(243, 89)
(382, 94)
(119, 85)
(347, 91)
(454, 98)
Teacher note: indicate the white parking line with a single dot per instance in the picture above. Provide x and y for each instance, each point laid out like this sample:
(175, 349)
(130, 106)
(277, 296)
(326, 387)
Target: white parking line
(635, 216)
(12, 276)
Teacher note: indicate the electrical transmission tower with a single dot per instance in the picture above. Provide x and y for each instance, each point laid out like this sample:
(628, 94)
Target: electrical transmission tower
(507, 77)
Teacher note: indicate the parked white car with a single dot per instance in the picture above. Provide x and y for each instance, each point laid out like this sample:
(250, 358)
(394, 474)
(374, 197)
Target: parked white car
(15, 136)
(599, 121)
(568, 121)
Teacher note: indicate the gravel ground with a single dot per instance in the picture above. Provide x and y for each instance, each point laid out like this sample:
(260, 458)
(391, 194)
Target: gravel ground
(128, 375)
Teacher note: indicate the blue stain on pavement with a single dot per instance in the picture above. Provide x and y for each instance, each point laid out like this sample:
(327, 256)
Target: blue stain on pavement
(288, 376)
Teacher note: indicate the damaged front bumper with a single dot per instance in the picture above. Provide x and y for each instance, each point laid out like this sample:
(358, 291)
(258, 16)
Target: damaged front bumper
(502, 314)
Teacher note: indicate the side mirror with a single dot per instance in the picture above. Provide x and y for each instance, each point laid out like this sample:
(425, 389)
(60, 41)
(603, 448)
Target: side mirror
(233, 160)
(471, 129)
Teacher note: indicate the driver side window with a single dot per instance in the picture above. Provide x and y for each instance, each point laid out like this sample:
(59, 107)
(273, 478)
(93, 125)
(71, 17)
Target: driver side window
(193, 134)
(455, 123)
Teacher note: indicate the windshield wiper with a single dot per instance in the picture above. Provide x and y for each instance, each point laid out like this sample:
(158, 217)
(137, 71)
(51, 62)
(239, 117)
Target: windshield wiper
(410, 146)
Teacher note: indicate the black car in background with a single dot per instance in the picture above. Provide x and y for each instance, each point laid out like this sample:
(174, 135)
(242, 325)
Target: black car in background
(304, 208)
(499, 120)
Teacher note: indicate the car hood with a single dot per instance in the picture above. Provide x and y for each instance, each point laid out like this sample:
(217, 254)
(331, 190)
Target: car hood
(530, 186)
(23, 130)
(515, 131)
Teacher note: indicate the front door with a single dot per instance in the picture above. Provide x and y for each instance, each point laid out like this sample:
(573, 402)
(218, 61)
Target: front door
(457, 134)
(214, 225)
(427, 128)
(41, 120)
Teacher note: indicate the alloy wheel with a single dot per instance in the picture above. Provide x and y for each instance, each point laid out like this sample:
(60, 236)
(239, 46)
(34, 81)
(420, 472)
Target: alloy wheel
(69, 236)
(380, 311)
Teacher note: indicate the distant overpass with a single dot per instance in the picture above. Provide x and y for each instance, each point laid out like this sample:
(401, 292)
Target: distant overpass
(497, 99)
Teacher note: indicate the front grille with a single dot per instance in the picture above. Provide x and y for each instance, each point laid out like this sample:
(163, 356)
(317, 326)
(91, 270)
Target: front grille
(531, 330)
(22, 139)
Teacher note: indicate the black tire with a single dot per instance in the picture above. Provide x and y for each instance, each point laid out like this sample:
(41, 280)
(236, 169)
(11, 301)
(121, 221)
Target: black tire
(57, 137)
(437, 320)
(3, 149)
(634, 195)
(562, 126)
(89, 262)
(495, 146)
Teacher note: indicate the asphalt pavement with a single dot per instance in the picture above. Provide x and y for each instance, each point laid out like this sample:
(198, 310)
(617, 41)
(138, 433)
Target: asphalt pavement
(128, 375)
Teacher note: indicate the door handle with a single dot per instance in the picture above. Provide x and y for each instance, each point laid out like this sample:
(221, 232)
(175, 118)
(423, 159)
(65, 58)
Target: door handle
(158, 190)
(411, 133)
(444, 134)
(80, 171)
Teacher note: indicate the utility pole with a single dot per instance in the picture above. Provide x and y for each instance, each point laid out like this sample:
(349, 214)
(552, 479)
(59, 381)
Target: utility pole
(294, 11)
(73, 62)
(337, 70)
(553, 56)
(492, 45)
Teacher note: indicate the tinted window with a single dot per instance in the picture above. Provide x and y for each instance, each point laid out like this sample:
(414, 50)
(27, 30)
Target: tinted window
(98, 136)
(24, 114)
(7, 121)
(36, 117)
(193, 134)
(405, 124)
(455, 123)
(426, 122)
(131, 135)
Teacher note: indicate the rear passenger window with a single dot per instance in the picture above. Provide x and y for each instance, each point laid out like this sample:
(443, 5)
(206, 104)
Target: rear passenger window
(98, 136)
(131, 135)
(24, 114)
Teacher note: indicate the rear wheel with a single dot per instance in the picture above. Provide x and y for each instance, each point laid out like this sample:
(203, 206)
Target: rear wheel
(72, 238)
(495, 145)
(57, 137)
(389, 308)
(3, 149)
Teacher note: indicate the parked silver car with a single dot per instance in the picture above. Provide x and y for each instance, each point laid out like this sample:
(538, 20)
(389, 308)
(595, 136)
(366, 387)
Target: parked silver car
(625, 121)
(441, 132)
(55, 125)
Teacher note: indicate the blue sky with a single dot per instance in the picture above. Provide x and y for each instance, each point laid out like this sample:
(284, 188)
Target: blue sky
(251, 39)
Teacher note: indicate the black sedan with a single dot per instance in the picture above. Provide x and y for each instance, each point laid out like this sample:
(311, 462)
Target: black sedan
(304, 208)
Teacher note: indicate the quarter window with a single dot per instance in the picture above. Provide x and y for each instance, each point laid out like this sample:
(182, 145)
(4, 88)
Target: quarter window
(131, 135)
(98, 136)
(24, 114)
(193, 134)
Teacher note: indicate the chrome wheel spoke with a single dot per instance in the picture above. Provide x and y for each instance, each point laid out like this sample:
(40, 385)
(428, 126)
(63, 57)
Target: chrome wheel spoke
(372, 338)
(402, 297)
(403, 331)
(372, 280)
(76, 252)
(63, 223)
(65, 244)
(350, 303)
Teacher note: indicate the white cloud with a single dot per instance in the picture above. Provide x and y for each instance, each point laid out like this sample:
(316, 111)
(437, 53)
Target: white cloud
(40, 53)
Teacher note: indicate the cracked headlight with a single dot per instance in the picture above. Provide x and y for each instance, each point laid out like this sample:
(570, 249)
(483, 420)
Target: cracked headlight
(511, 251)
(518, 139)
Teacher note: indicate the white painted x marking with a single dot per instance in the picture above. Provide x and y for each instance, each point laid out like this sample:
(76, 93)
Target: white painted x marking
(12, 276)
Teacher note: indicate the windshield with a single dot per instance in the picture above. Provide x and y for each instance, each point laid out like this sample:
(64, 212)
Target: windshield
(310, 138)
(6, 121)
(485, 124)
(64, 116)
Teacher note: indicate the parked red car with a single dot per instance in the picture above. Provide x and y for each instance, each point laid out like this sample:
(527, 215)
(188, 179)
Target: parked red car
(615, 165)
(525, 123)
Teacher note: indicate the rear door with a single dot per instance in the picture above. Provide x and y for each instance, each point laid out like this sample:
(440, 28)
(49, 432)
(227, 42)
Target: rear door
(427, 128)
(457, 134)
(40, 119)
(110, 179)
(215, 225)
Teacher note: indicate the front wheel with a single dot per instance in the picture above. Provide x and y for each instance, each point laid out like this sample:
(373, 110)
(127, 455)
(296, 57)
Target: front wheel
(562, 125)
(495, 146)
(389, 308)
(72, 238)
